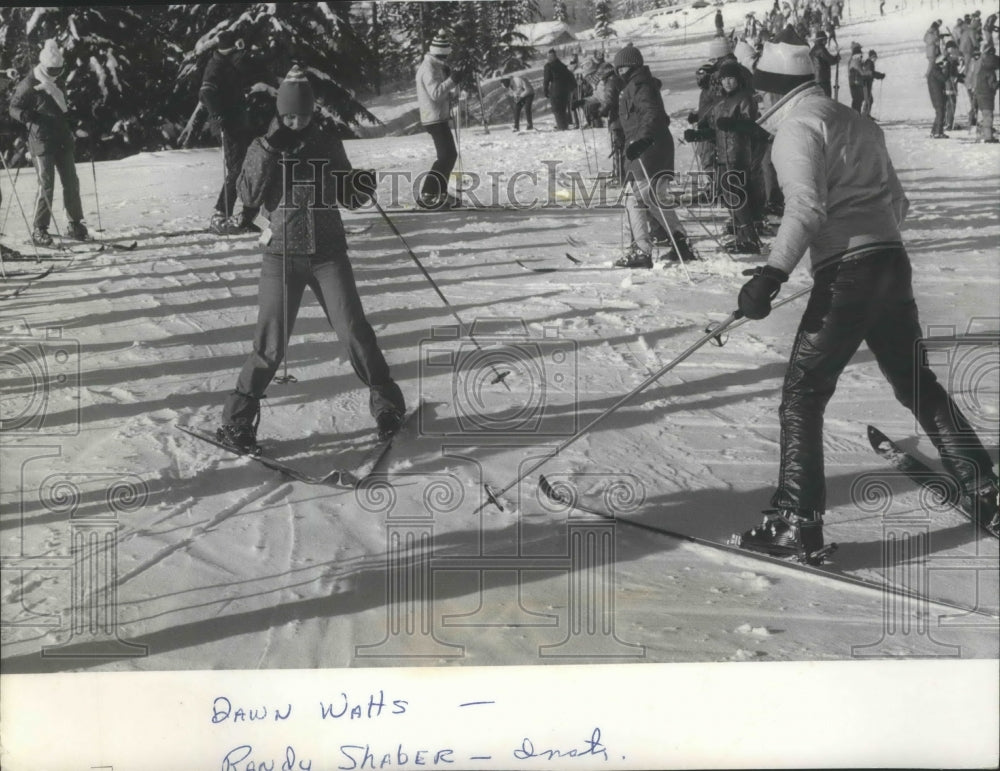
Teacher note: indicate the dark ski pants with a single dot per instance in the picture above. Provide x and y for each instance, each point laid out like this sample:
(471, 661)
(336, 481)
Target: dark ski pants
(234, 150)
(868, 299)
(524, 103)
(938, 102)
(559, 102)
(47, 165)
(772, 190)
(436, 182)
(857, 96)
(332, 281)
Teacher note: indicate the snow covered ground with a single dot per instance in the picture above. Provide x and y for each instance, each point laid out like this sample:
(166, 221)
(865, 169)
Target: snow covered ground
(222, 564)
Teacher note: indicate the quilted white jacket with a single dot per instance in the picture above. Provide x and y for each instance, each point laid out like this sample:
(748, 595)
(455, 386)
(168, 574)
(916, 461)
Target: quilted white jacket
(434, 91)
(842, 195)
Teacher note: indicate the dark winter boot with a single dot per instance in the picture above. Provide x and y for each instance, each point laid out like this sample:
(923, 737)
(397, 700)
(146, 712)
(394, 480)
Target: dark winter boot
(222, 225)
(764, 228)
(983, 507)
(242, 437)
(41, 238)
(77, 230)
(686, 252)
(388, 423)
(785, 533)
(635, 258)
(246, 223)
(736, 246)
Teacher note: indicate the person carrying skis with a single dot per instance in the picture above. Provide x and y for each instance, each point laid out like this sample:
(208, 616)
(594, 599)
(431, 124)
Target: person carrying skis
(222, 93)
(523, 94)
(305, 246)
(844, 206)
(649, 150)
(40, 104)
(822, 61)
(436, 85)
(868, 77)
(558, 83)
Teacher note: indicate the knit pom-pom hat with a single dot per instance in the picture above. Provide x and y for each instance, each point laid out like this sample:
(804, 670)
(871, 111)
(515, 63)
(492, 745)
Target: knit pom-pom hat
(295, 95)
(784, 65)
(440, 45)
(629, 56)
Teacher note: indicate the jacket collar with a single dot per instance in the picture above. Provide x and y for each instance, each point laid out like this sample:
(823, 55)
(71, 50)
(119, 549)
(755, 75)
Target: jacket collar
(784, 107)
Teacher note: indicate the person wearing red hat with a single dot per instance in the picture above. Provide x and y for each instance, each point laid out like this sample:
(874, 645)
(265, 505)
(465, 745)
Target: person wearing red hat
(843, 206)
(304, 245)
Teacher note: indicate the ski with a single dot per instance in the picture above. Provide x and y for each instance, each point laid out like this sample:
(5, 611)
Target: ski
(825, 570)
(531, 269)
(98, 244)
(359, 230)
(335, 477)
(64, 249)
(922, 474)
(372, 458)
(24, 282)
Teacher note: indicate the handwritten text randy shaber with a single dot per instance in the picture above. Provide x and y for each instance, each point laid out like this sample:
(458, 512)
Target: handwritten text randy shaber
(356, 756)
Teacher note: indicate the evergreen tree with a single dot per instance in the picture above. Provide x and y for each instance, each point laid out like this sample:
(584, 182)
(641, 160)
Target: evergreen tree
(560, 12)
(602, 19)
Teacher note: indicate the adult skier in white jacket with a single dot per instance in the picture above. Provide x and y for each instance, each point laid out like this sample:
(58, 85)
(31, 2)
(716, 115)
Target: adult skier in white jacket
(844, 206)
(435, 88)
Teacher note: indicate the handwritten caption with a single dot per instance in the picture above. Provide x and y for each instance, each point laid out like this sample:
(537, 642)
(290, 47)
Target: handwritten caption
(348, 756)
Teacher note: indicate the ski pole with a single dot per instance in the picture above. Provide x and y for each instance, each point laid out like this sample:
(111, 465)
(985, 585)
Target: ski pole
(225, 181)
(583, 136)
(499, 377)
(285, 377)
(493, 496)
(666, 225)
(97, 198)
(458, 140)
(6, 213)
(17, 198)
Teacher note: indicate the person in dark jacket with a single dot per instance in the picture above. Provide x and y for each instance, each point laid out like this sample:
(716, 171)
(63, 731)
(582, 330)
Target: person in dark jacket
(649, 150)
(855, 80)
(731, 121)
(558, 84)
(822, 61)
(222, 93)
(609, 91)
(720, 27)
(937, 85)
(305, 246)
(986, 92)
(40, 104)
(868, 77)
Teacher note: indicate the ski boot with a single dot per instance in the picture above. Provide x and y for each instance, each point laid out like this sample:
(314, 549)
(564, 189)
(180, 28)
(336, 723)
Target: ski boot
(764, 228)
(635, 257)
(736, 246)
(686, 252)
(983, 507)
(245, 224)
(41, 237)
(222, 225)
(388, 423)
(77, 230)
(242, 437)
(787, 533)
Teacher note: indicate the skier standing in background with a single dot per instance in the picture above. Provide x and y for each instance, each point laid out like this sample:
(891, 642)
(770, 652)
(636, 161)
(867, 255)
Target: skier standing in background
(649, 150)
(844, 206)
(855, 78)
(986, 92)
(222, 93)
(435, 89)
(306, 246)
(523, 94)
(823, 60)
(868, 77)
(558, 84)
(40, 104)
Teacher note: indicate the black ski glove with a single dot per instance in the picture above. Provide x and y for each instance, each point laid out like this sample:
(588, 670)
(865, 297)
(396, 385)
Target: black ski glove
(757, 293)
(692, 117)
(634, 149)
(282, 139)
(696, 135)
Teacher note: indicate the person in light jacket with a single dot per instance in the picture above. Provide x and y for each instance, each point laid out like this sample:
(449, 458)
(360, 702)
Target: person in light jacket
(844, 206)
(435, 89)
(523, 94)
(305, 245)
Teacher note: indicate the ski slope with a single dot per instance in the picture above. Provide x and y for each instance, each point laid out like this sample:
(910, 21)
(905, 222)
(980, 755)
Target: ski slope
(222, 564)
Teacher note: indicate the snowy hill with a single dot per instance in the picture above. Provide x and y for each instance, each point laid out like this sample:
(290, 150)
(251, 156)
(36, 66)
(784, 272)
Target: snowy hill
(223, 564)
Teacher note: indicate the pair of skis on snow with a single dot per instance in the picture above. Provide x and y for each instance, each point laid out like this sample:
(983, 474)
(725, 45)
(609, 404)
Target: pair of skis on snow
(336, 477)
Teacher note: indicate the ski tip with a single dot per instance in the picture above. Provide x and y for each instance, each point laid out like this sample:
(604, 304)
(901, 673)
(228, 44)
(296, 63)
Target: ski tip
(573, 259)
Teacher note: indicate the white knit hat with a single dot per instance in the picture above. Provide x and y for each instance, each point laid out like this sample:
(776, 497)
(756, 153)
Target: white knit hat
(784, 64)
(718, 47)
(440, 45)
(51, 56)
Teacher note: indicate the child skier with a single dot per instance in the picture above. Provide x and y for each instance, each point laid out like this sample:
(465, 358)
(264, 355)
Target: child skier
(306, 247)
